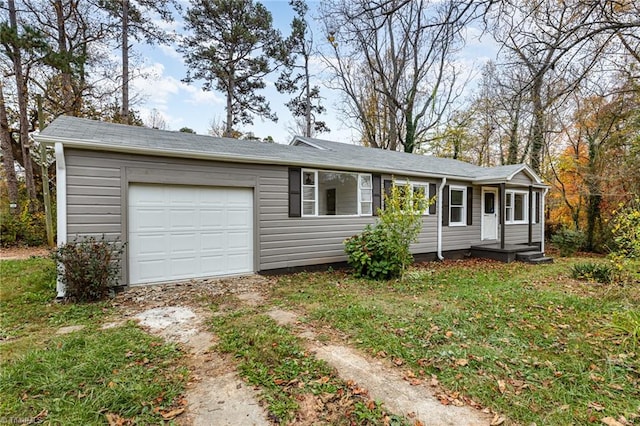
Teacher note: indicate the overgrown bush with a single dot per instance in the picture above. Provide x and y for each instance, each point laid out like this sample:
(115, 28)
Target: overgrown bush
(626, 325)
(568, 241)
(22, 228)
(89, 268)
(382, 251)
(590, 271)
(625, 229)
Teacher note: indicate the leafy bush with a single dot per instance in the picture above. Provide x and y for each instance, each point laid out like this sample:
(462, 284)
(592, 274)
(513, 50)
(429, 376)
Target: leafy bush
(591, 271)
(89, 268)
(382, 251)
(626, 325)
(23, 228)
(568, 241)
(625, 228)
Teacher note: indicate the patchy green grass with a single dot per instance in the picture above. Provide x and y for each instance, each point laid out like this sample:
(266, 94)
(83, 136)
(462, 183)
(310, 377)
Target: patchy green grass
(86, 377)
(527, 341)
(295, 386)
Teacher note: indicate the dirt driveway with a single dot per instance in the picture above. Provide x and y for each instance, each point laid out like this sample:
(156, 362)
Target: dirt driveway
(217, 395)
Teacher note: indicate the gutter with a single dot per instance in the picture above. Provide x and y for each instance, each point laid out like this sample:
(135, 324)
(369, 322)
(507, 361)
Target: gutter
(439, 226)
(61, 201)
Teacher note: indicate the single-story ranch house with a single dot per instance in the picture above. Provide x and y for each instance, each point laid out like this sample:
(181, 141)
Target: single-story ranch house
(191, 206)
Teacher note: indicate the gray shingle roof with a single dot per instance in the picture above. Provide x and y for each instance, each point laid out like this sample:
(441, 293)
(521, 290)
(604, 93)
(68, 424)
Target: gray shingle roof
(305, 152)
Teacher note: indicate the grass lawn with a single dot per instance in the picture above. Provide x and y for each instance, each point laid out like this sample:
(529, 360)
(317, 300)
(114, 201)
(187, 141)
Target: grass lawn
(93, 376)
(525, 340)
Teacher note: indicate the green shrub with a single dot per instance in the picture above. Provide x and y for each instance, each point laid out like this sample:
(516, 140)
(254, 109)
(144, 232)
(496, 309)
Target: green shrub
(382, 251)
(370, 254)
(22, 228)
(590, 271)
(625, 229)
(568, 241)
(89, 268)
(626, 325)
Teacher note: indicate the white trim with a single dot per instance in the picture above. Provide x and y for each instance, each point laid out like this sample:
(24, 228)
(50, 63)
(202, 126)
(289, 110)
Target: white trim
(316, 185)
(463, 215)
(496, 206)
(525, 207)
(544, 196)
(439, 226)
(61, 205)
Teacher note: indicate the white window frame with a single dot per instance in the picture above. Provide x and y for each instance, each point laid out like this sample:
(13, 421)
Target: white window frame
(412, 184)
(510, 210)
(463, 216)
(316, 203)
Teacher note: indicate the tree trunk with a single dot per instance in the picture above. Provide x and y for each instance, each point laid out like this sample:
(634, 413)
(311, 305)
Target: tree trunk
(68, 104)
(307, 103)
(124, 112)
(22, 111)
(410, 138)
(594, 196)
(7, 156)
(228, 131)
(537, 130)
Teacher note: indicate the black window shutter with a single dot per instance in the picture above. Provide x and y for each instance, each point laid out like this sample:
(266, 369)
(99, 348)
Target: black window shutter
(538, 205)
(445, 206)
(295, 192)
(432, 192)
(387, 188)
(470, 205)
(377, 194)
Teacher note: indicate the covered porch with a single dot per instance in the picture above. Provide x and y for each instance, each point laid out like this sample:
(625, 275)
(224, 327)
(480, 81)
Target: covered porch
(508, 210)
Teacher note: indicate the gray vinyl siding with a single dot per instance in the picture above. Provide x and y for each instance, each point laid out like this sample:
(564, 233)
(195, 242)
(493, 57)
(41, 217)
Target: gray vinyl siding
(97, 184)
(463, 237)
(97, 204)
(521, 178)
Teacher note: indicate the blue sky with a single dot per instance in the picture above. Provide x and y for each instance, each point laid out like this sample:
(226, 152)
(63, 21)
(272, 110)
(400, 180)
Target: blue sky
(187, 105)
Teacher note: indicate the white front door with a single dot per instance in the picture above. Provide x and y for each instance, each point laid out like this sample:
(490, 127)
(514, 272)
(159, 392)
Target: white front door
(180, 232)
(489, 213)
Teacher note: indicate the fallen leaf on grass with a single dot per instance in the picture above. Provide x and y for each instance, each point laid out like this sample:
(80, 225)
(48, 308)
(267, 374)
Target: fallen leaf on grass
(596, 406)
(497, 420)
(168, 415)
(462, 362)
(116, 420)
(502, 387)
(398, 361)
(610, 421)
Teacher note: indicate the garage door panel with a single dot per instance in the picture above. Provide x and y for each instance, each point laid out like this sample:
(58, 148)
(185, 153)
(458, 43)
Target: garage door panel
(212, 241)
(150, 270)
(182, 244)
(148, 244)
(148, 219)
(180, 232)
(211, 218)
(239, 240)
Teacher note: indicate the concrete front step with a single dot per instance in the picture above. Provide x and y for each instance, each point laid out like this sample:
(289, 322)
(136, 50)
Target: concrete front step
(525, 256)
(539, 260)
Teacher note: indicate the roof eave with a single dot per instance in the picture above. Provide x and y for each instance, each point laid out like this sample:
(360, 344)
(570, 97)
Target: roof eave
(95, 145)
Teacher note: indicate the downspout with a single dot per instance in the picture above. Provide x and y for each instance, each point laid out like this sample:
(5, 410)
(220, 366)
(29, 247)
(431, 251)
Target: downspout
(61, 201)
(544, 196)
(439, 227)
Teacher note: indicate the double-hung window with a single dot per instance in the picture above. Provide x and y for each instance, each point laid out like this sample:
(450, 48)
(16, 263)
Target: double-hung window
(517, 207)
(418, 192)
(330, 193)
(457, 206)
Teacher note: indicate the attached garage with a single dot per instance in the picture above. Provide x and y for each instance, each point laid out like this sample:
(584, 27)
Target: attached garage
(179, 232)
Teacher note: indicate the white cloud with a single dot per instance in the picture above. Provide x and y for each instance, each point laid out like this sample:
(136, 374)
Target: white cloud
(198, 96)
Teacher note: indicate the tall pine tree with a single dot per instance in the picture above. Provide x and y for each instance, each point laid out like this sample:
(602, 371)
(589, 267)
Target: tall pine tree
(232, 46)
(296, 77)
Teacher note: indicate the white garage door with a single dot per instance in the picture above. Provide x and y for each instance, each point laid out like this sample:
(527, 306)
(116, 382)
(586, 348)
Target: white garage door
(178, 232)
